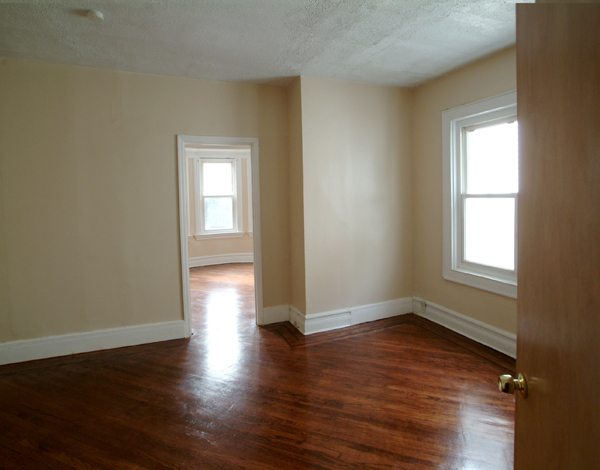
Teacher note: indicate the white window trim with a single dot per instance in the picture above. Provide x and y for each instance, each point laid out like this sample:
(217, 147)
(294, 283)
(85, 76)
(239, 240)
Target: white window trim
(194, 156)
(454, 269)
(238, 210)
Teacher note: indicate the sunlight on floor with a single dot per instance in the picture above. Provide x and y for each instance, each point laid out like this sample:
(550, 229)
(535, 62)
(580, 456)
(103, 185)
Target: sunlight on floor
(223, 347)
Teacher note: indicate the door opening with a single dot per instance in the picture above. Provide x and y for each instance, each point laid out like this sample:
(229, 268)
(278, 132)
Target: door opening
(237, 159)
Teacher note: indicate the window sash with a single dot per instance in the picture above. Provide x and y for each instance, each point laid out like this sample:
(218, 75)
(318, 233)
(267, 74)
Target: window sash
(463, 161)
(462, 264)
(204, 188)
(496, 110)
(200, 197)
(205, 214)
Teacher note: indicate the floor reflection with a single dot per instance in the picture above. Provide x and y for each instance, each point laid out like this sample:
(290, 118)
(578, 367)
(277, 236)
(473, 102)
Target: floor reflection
(223, 342)
(399, 396)
(222, 312)
(478, 424)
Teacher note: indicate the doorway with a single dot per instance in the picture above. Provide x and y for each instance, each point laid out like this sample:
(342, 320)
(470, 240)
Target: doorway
(222, 153)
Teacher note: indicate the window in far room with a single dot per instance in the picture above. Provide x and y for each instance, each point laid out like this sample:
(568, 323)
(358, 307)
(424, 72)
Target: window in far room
(216, 193)
(480, 194)
(218, 199)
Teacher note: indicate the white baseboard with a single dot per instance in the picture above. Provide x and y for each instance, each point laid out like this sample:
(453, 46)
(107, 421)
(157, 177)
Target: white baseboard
(381, 310)
(63, 345)
(221, 259)
(297, 319)
(325, 321)
(275, 314)
(75, 343)
(478, 331)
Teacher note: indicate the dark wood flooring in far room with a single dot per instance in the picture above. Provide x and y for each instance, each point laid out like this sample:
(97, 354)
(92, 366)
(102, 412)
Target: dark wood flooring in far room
(399, 393)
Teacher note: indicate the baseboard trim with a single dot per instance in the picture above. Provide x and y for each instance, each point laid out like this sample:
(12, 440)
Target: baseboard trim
(221, 259)
(381, 310)
(326, 321)
(332, 320)
(276, 314)
(63, 345)
(478, 331)
(75, 343)
(297, 319)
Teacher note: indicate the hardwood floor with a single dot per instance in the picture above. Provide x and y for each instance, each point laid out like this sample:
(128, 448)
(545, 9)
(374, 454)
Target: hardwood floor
(399, 393)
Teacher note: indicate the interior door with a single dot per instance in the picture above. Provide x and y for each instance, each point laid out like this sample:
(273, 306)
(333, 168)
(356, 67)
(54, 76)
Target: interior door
(558, 345)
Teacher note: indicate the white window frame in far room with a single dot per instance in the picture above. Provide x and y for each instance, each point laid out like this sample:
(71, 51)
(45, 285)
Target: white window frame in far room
(196, 156)
(238, 211)
(498, 109)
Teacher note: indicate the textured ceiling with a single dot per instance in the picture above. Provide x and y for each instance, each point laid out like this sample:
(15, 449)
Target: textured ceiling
(387, 42)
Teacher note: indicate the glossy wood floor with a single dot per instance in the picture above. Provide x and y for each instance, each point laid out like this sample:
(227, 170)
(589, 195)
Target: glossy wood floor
(400, 393)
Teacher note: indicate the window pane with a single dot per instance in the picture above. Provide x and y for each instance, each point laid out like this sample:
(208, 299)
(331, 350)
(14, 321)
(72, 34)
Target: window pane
(217, 179)
(218, 213)
(490, 232)
(492, 159)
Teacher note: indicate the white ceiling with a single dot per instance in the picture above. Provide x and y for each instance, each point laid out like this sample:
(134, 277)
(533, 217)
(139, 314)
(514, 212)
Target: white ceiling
(386, 42)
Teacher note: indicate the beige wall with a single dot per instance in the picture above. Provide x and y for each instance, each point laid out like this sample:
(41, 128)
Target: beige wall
(483, 79)
(351, 192)
(357, 193)
(298, 274)
(88, 198)
(220, 246)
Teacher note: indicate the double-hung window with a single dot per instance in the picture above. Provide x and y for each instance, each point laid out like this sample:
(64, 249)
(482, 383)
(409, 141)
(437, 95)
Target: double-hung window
(218, 196)
(217, 208)
(480, 194)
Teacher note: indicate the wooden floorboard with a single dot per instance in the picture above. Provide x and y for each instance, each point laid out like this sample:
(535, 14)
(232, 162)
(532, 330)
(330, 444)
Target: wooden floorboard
(398, 393)
(296, 339)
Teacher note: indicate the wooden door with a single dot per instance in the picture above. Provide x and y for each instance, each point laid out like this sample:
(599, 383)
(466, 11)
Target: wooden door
(558, 345)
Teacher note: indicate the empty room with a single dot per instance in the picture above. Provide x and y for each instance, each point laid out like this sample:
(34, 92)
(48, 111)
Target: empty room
(299, 235)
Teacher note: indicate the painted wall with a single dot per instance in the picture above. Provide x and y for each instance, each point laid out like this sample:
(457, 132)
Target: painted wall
(88, 192)
(351, 192)
(297, 260)
(220, 246)
(483, 79)
(357, 193)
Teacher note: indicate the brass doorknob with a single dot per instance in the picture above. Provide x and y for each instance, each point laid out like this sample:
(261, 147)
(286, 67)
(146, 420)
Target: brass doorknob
(508, 384)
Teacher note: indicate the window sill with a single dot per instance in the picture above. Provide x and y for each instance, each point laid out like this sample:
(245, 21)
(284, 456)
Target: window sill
(209, 236)
(499, 287)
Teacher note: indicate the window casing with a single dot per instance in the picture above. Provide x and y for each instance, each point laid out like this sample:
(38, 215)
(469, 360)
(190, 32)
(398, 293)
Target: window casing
(218, 197)
(216, 183)
(480, 194)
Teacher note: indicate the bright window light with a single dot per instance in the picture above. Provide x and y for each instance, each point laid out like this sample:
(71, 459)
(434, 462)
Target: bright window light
(491, 164)
(217, 179)
(481, 190)
(492, 159)
(490, 232)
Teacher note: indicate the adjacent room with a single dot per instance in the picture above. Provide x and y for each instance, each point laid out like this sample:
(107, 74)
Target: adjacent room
(220, 252)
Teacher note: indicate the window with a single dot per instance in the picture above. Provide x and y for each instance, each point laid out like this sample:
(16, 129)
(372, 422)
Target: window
(217, 197)
(480, 194)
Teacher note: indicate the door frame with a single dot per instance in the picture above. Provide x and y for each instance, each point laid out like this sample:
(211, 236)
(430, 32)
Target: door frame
(182, 141)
